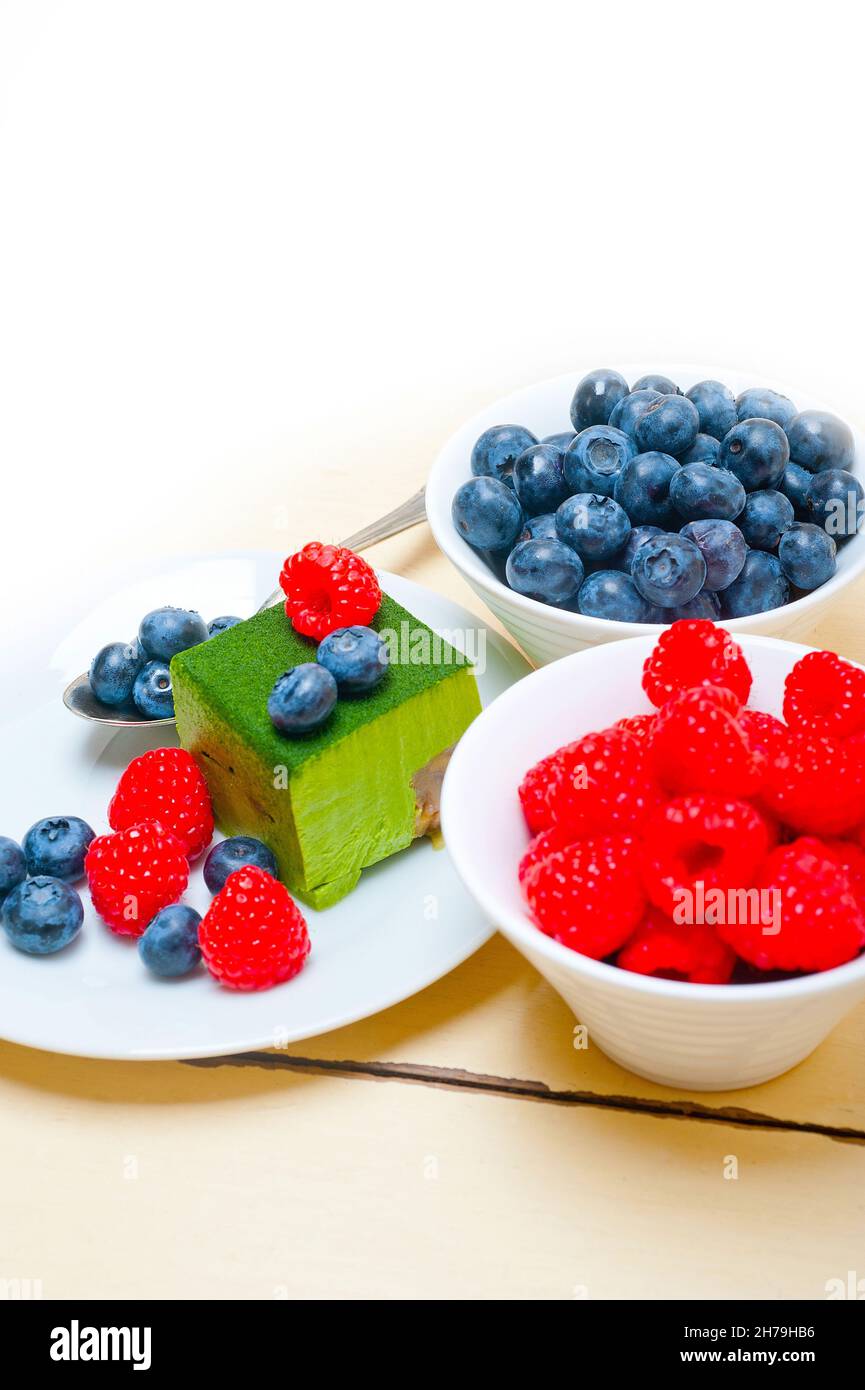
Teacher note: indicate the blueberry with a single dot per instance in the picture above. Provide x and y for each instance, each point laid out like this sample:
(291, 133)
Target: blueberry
(540, 528)
(302, 699)
(760, 587)
(217, 625)
(699, 491)
(630, 408)
(498, 449)
(487, 514)
(795, 484)
(561, 440)
(757, 404)
(595, 398)
(757, 452)
(152, 692)
(113, 671)
(235, 853)
(496, 560)
(13, 865)
(715, 407)
(669, 426)
(638, 536)
(669, 570)
(767, 515)
(643, 489)
(835, 502)
(722, 546)
(819, 440)
(807, 555)
(703, 605)
(167, 631)
(356, 657)
(705, 449)
(596, 458)
(612, 595)
(593, 525)
(654, 382)
(42, 915)
(538, 479)
(548, 571)
(56, 847)
(169, 946)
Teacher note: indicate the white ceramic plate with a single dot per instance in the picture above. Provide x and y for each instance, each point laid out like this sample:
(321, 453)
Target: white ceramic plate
(408, 922)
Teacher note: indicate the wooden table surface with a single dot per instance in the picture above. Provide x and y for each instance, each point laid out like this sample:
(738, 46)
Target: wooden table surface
(456, 1146)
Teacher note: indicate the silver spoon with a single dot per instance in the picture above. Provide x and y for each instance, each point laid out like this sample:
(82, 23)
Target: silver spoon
(79, 698)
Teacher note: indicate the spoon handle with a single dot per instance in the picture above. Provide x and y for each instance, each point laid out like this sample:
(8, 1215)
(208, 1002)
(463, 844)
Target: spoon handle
(400, 519)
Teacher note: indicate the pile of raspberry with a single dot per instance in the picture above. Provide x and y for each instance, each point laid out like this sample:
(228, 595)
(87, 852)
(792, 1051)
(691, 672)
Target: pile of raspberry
(252, 936)
(708, 841)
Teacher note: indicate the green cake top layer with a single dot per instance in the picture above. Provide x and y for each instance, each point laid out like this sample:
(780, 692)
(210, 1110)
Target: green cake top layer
(234, 674)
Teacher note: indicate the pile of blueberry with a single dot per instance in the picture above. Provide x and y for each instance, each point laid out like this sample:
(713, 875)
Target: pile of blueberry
(660, 505)
(349, 661)
(40, 910)
(137, 673)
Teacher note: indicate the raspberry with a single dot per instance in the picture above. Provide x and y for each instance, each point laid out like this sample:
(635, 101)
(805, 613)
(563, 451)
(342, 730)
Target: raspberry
(326, 587)
(815, 784)
(699, 745)
(706, 840)
(134, 873)
(851, 858)
(165, 785)
(695, 652)
(824, 694)
(604, 784)
(589, 896)
(671, 951)
(819, 923)
(640, 725)
(542, 846)
(764, 732)
(533, 791)
(254, 934)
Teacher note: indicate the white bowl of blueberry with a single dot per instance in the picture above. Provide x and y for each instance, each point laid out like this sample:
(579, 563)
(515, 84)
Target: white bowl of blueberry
(601, 505)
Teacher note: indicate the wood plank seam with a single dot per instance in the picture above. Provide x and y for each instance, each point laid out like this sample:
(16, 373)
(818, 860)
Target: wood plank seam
(514, 1088)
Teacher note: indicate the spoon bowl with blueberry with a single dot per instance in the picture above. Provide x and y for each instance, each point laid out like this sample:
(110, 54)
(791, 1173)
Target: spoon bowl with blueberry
(129, 683)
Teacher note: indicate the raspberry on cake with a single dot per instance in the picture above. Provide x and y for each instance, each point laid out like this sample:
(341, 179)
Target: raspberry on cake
(328, 587)
(331, 802)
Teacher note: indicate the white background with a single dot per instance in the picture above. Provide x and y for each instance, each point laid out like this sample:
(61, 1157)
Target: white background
(246, 245)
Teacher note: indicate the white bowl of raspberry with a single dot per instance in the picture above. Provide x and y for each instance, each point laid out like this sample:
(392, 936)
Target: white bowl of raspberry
(548, 630)
(700, 846)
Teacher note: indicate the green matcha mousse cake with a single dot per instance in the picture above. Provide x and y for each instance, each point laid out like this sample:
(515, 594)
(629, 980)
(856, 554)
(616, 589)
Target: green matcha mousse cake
(332, 802)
